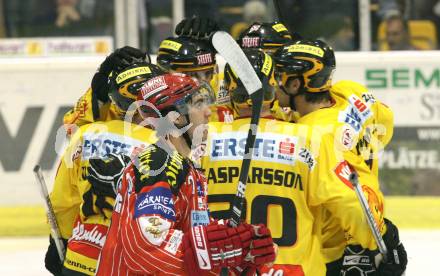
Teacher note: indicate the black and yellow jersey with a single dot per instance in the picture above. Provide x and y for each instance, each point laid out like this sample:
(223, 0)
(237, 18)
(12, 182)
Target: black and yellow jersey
(295, 180)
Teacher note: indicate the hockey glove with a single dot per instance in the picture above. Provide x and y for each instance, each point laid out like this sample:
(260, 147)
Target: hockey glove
(397, 257)
(118, 60)
(262, 251)
(211, 247)
(52, 259)
(358, 261)
(196, 27)
(103, 176)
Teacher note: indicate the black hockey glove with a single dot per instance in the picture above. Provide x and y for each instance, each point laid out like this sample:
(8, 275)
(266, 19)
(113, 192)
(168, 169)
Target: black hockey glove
(196, 27)
(358, 261)
(52, 259)
(118, 60)
(397, 257)
(104, 173)
(104, 176)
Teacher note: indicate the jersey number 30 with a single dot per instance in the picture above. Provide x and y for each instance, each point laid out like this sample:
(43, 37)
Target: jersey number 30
(259, 214)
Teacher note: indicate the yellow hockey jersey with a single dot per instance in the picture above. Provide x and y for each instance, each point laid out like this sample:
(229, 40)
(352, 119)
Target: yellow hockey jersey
(88, 110)
(376, 130)
(359, 126)
(295, 179)
(74, 201)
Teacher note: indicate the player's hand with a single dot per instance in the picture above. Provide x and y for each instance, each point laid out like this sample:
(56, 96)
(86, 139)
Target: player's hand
(117, 60)
(358, 261)
(262, 251)
(52, 259)
(214, 246)
(104, 174)
(397, 258)
(196, 27)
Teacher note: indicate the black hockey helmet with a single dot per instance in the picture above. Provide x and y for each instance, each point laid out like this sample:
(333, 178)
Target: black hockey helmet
(267, 36)
(185, 54)
(125, 84)
(265, 69)
(313, 60)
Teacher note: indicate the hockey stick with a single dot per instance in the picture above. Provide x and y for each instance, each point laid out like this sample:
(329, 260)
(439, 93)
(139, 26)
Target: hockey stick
(233, 54)
(54, 229)
(369, 215)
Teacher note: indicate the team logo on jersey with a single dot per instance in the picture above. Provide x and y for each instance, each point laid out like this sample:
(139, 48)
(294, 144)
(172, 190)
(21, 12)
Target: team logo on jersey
(343, 172)
(154, 228)
(348, 137)
(254, 28)
(250, 42)
(204, 59)
(158, 201)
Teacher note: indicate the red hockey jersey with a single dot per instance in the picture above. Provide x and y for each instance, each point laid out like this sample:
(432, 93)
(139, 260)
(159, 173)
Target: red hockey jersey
(161, 197)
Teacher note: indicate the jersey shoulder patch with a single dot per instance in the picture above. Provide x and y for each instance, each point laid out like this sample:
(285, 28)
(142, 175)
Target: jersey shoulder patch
(155, 164)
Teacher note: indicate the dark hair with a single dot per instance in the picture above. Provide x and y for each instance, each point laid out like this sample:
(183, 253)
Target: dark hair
(317, 97)
(310, 97)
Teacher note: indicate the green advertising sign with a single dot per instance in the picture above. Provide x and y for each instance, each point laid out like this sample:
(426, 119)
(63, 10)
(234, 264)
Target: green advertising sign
(402, 78)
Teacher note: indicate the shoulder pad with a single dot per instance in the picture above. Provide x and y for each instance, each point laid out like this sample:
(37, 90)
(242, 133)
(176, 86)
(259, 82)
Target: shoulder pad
(155, 164)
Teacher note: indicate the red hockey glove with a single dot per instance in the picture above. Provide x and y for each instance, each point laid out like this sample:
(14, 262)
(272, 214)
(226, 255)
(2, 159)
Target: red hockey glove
(262, 250)
(215, 246)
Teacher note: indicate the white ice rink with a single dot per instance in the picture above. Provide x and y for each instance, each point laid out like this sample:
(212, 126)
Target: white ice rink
(25, 256)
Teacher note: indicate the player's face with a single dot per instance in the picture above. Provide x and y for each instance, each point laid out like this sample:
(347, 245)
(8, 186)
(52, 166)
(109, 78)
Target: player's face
(202, 75)
(199, 112)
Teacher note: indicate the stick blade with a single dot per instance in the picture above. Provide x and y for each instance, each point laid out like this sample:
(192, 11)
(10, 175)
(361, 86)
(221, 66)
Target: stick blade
(233, 54)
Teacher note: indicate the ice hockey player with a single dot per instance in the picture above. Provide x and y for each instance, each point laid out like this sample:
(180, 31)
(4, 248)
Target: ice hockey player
(160, 224)
(304, 72)
(267, 36)
(283, 190)
(95, 104)
(197, 58)
(84, 189)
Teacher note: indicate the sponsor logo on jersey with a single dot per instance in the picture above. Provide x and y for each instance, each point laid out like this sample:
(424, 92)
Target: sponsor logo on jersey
(204, 59)
(79, 265)
(99, 145)
(250, 42)
(343, 172)
(174, 242)
(355, 114)
(199, 217)
(92, 234)
(356, 260)
(201, 248)
(158, 201)
(269, 147)
(307, 158)
(153, 86)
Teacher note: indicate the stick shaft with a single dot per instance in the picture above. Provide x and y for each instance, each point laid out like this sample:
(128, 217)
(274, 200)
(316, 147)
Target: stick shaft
(54, 229)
